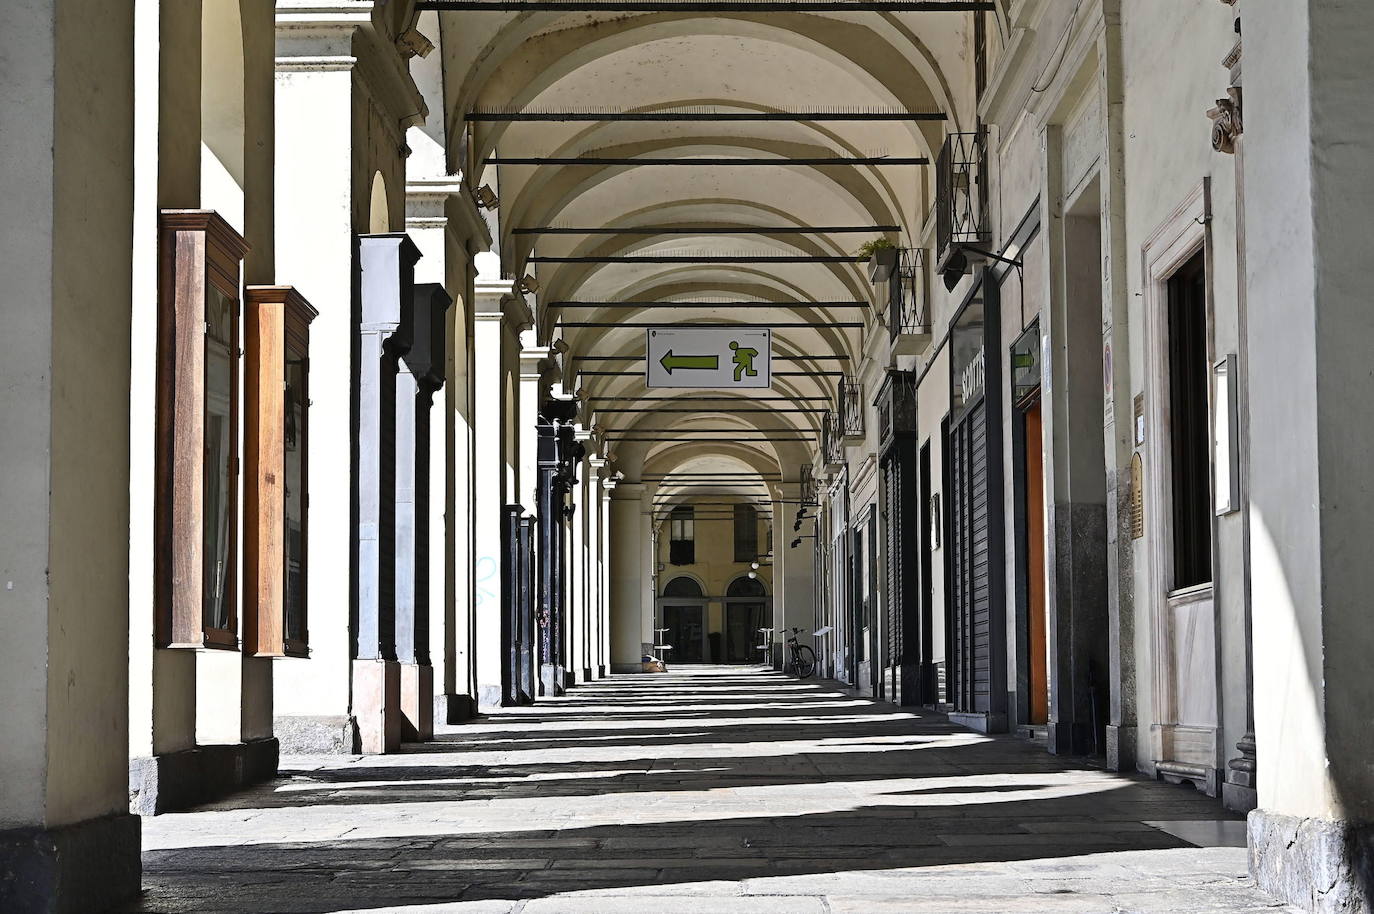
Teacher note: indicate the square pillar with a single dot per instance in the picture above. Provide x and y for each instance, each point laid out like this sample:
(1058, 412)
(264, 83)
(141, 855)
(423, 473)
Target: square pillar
(420, 377)
(386, 265)
(67, 841)
(498, 318)
(1309, 137)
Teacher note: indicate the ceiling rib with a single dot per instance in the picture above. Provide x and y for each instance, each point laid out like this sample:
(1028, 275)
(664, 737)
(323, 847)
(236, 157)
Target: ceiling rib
(606, 115)
(717, 161)
(700, 306)
(710, 6)
(702, 230)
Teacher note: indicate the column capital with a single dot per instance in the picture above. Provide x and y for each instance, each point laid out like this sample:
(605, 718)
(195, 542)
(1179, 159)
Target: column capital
(357, 35)
(496, 300)
(533, 361)
(445, 201)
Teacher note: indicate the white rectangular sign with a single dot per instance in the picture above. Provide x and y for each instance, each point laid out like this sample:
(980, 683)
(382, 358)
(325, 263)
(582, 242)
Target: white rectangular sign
(719, 358)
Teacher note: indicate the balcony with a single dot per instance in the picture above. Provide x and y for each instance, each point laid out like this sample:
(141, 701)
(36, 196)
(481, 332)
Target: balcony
(908, 308)
(851, 411)
(807, 490)
(960, 200)
(832, 444)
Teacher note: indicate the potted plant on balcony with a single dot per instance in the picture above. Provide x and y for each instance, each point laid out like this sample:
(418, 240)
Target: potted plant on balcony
(882, 258)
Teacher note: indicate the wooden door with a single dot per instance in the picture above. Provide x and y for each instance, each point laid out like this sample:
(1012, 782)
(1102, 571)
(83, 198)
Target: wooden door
(1035, 567)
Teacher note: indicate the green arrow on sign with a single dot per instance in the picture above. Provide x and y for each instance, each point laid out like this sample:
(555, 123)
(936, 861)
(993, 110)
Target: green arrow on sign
(701, 362)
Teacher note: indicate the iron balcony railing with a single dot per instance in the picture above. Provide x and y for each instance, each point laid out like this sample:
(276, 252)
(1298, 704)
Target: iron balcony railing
(807, 491)
(961, 191)
(832, 443)
(907, 310)
(851, 408)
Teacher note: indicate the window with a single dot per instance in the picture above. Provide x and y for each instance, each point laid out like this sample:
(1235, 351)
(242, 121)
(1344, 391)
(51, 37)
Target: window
(746, 533)
(276, 440)
(196, 509)
(682, 548)
(1189, 439)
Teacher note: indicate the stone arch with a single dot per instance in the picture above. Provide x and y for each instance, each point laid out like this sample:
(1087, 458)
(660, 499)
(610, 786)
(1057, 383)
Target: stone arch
(222, 165)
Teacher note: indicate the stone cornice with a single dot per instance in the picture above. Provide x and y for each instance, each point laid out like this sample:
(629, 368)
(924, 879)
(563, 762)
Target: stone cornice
(344, 35)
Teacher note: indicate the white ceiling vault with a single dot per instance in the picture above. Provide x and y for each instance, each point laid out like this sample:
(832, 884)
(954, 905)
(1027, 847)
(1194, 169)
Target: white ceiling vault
(732, 63)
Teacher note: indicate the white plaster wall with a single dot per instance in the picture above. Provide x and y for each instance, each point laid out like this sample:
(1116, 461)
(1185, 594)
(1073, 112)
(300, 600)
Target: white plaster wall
(314, 202)
(1168, 153)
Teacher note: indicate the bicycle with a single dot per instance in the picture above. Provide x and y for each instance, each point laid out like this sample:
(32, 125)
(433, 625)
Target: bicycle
(801, 658)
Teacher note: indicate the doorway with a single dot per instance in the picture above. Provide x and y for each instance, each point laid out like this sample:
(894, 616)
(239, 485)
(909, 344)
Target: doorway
(747, 610)
(683, 613)
(1037, 648)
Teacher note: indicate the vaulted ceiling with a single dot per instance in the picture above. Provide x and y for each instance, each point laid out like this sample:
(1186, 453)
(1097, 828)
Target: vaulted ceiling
(758, 74)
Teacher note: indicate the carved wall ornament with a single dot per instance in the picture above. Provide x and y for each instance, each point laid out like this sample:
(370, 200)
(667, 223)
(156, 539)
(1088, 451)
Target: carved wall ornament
(1226, 121)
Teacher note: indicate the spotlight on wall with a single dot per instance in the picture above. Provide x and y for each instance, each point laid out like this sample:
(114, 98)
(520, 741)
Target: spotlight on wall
(956, 265)
(753, 575)
(754, 566)
(486, 197)
(528, 284)
(413, 44)
(796, 542)
(796, 525)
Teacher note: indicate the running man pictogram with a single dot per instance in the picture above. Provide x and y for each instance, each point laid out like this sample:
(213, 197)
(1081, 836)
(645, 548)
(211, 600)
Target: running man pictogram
(744, 360)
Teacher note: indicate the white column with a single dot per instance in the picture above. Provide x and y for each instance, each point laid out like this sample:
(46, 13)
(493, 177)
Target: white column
(606, 542)
(1309, 138)
(533, 361)
(490, 331)
(592, 506)
(314, 205)
(627, 571)
(66, 176)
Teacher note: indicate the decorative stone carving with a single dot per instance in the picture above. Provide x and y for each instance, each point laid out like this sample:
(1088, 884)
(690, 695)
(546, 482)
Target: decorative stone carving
(1226, 121)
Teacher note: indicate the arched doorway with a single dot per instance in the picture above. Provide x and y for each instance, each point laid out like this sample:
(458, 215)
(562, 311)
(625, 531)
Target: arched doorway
(747, 609)
(682, 610)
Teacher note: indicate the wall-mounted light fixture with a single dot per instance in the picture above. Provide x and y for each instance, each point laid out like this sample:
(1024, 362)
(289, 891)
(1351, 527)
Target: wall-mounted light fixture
(486, 197)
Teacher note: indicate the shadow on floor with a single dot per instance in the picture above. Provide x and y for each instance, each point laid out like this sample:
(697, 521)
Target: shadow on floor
(548, 800)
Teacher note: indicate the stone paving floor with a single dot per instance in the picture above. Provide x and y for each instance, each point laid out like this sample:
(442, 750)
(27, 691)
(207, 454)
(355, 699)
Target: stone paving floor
(702, 790)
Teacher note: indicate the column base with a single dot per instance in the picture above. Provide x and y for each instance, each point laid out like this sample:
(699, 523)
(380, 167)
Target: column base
(456, 709)
(88, 866)
(311, 735)
(417, 702)
(982, 721)
(1319, 865)
(490, 697)
(1069, 738)
(551, 680)
(587, 674)
(1121, 747)
(377, 706)
(601, 671)
(179, 780)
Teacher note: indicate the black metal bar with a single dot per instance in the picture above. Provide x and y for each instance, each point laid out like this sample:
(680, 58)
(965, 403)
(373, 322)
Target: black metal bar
(706, 258)
(775, 325)
(706, 305)
(710, 6)
(700, 398)
(698, 116)
(711, 230)
(742, 474)
(776, 358)
(776, 374)
(703, 161)
(747, 409)
(718, 431)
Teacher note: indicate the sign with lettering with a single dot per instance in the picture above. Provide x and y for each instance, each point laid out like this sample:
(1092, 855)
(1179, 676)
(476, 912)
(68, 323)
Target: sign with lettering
(716, 358)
